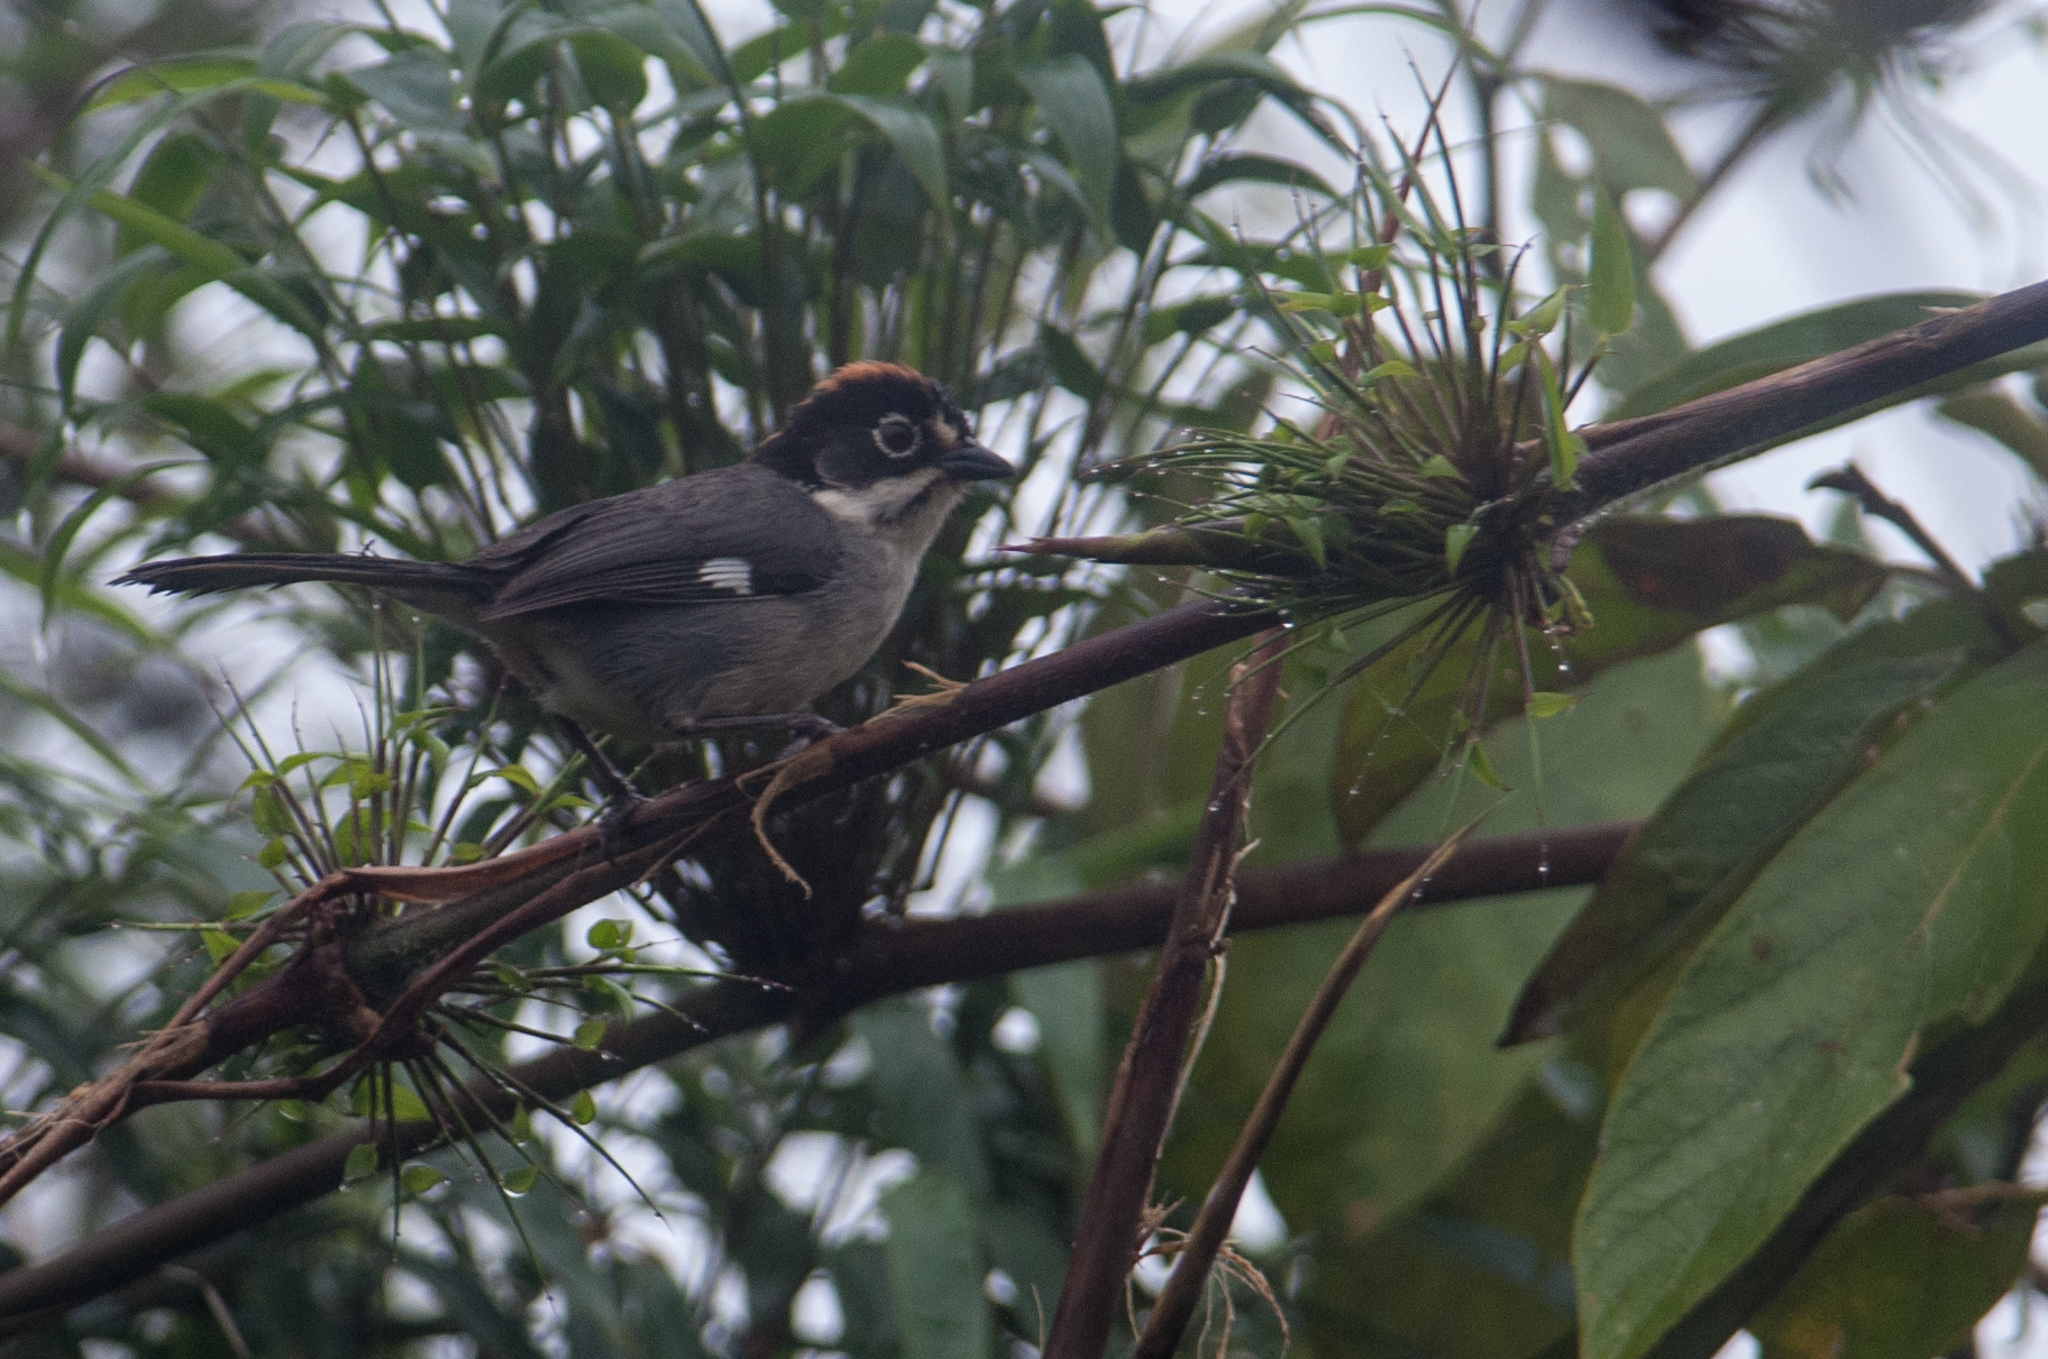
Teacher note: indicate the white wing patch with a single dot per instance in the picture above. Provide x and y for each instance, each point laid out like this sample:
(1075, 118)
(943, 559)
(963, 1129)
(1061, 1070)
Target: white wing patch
(728, 573)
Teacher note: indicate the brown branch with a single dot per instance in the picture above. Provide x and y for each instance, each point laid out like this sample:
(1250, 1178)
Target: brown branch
(1141, 1099)
(1629, 457)
(886, 960)
(525, 891)
(1184, 1287)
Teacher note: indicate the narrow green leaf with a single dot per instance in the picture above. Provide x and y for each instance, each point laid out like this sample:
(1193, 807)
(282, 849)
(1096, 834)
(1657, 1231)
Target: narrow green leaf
(1545, 704)
(419, 1178)
(1782, 344)
(1457, 538)
(361, 1162)
(1481, 765)
(1076, 105)
(913, 136)
(583, 1109)
(1611, 279)
(244, 904)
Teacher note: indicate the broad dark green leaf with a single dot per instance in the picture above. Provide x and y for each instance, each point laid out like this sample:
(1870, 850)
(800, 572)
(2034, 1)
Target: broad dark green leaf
(1900, 1279)
(416, 87)
(935, 1268)
(1479, 1267)
(613, 69)
(1746, 797)
(1910, 900)
(1407, 1078)
(911, 134)
(878, 66)
(1073, 369)
(922, 1097)
(1650, 584)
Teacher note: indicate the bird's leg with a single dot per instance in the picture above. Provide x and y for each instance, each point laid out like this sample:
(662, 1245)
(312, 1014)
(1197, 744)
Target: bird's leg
(621, 797)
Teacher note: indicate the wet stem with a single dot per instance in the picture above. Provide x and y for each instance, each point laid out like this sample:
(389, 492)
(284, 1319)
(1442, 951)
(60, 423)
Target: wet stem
(1141, 1101)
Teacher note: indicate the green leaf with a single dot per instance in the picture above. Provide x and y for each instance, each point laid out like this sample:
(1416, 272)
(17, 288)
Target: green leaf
(273, 855)
(83, 321)
(1075, 104)
(1747, 796)
(1068, 1003)
(520, 1180)
(1632, 149)
(1071, 367)
(1998, 414)
(879, 66)
(361, 1162)
(609, 934)
(1792, 1026)
(912, 135)
(1611, 279)
(583, 1109)
(1457, 538)
(1899, 1279)
(416, 87)
(588, 1035)
(1649, 583)
(1565, 445)
(418, 1178)
(219, 944)
(613, 70)
(197, 74)
(1542, 703)
(935, 1268)
(1481, 765)
(245, 904)
(1249, 168)
(404, 1104)
(1478, 1269)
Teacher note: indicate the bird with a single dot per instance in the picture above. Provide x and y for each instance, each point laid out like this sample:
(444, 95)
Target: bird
(727, 599)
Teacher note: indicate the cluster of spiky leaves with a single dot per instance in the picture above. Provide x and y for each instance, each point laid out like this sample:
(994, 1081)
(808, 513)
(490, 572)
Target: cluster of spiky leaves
(1437, 428)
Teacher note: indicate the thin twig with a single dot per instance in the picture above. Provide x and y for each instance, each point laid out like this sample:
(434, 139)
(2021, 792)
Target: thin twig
(1184, 1287)
(1141, 1101)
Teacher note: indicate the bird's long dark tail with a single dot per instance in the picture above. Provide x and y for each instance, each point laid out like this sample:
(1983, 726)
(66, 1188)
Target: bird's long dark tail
(428, 583)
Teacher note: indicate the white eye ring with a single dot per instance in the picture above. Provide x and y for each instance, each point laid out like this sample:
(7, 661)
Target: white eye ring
(896, 437)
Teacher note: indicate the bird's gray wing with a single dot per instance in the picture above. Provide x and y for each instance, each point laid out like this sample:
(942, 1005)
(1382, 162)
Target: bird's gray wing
(726, 536)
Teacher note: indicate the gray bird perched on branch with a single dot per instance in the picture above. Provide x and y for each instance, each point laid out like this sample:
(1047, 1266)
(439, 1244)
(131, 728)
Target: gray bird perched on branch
(726, 599)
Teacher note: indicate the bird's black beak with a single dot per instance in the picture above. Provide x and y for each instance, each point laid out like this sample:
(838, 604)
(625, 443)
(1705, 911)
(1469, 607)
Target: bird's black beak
(969, 461)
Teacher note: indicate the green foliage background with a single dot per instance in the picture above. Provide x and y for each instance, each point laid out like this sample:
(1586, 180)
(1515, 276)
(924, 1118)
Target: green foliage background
(529, 254)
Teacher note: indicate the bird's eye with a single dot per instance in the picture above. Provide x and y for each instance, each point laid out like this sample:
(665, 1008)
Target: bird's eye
(896, 436)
